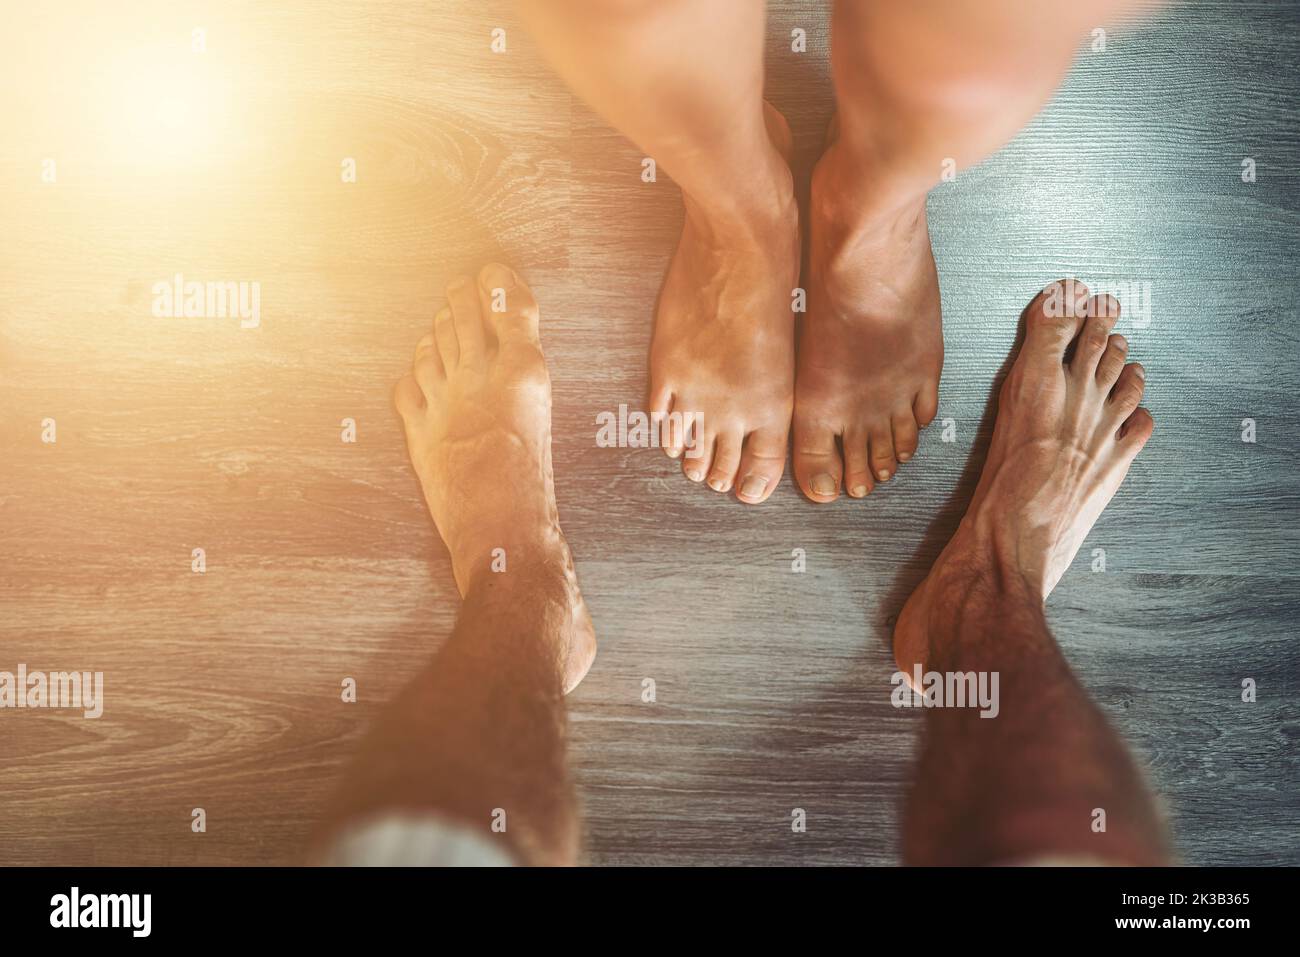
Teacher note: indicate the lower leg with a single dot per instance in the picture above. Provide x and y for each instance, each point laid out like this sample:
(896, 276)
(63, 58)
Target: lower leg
(684, 80)
(1033, 781)
(477, 738)
(480, 732)
(921, 83)
(1030, 780)
(921, 87)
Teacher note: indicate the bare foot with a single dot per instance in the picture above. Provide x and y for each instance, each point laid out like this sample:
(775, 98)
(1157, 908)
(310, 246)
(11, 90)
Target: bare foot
(871, 344)
(723, 343)
(1065, 436)
(477, 412)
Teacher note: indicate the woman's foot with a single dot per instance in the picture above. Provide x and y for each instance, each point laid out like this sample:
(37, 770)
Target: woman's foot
(477, 412)
(1065, 436)
(871, 345)
(722, 352)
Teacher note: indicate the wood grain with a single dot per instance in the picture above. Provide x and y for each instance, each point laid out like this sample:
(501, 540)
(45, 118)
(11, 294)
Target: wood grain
(772, 687)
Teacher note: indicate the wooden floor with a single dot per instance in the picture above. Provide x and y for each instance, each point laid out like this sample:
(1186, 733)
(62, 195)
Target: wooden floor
(223, 688)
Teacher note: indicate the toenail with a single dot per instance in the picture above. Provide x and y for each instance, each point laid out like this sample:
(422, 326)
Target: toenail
(858, 491)
(753, 486)
(884, 475)
(695, 476)
(823, 485)
(904, 456)
(718, 485)
(497, 276)
(1139, 371)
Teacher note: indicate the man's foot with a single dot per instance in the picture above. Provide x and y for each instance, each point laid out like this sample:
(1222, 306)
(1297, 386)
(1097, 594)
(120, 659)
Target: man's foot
(871, 344)
(477, 412)
(723, 343)
(1065, 436)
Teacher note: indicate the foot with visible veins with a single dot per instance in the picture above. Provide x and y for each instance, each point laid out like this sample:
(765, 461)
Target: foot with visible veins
(1068, 428)
(477, 413)
(871, 343)
(723, 342)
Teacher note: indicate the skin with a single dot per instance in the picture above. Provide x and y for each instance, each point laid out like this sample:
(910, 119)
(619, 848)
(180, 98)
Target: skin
(482, 727)
(1065, 436)
(916, 84)
(685, 82)
(477, 413)
(726, 355)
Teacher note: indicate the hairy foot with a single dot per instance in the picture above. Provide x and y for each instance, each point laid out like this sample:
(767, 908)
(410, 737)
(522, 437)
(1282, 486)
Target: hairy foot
(871, 344)
(1068, 428)
(723, 345)
(477, 412)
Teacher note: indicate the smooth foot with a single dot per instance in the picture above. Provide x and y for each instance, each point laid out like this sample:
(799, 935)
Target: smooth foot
(871, 344)
(1065, 436)
(722, 352)
(477, 412)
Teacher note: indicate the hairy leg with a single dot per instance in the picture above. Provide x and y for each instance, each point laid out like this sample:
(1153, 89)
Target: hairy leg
(1027, 782)
(481, 729)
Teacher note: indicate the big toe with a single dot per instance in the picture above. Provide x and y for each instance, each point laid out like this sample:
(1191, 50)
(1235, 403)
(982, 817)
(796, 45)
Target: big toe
(818, 466)
(1052, 321)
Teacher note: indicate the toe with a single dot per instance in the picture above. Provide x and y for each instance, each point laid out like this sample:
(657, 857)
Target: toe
(761, 464)
(817, 463)
(408, 397)
(509, 304)
(881, 442)
(697, 452)
(444, 335)
(427, 365)
(726, 459)
(467, 315)
(672, 436)
(1090, 346)
(659, 401)
(1053, 319)
(905, 435)
(1127, 393)
(857, 473)
(1112, 361)
(925, 406)
(1135, 431)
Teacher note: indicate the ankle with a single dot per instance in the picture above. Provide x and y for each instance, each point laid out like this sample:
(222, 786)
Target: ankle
(754, 209)
(496, 564)
(981, 564)
(962, 611)
(856, 191)
(743, 184)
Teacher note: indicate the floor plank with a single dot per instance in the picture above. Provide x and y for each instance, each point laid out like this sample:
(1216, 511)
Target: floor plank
(771, 687)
